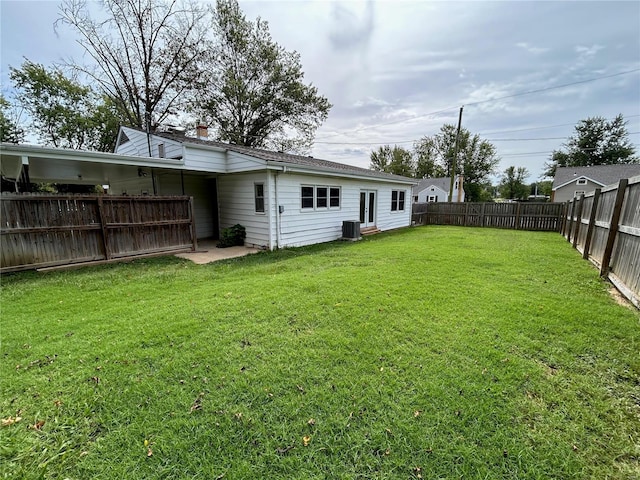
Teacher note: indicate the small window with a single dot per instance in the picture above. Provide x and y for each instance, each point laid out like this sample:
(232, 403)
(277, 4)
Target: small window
(161, 150)
(581, 181)
(433, 198)
(259, 197)
(334, 197)
(397, 200)
(578, 193)
(307, 197)
(322, 198)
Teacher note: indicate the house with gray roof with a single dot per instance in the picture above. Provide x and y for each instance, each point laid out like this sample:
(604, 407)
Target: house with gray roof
(282, 200)
(570, 182)
(437, 190)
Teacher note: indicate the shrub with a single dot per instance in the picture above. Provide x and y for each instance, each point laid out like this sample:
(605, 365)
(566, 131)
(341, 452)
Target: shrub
(232, 236)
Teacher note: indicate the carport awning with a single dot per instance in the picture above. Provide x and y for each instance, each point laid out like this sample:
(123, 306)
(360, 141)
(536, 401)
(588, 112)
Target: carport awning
(74, 166)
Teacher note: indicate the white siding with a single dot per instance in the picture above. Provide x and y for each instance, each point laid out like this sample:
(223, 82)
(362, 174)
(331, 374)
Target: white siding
(423, 196)
(237, 205)
(236, 162)
(305, 227)
(205, 160)
(203, 191)
(139, 147)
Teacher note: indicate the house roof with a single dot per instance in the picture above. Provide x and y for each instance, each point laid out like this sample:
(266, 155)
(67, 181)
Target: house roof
(443, 183)
(600, 174)
(286, 158)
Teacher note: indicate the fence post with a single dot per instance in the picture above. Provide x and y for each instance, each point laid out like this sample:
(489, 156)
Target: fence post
(613, 227)
(562, 218)
(105, 230)
(578, 221)
(482, 214)
(569, 227)
(466, 215)
(592, 221)
(517, 225)
(192, 227)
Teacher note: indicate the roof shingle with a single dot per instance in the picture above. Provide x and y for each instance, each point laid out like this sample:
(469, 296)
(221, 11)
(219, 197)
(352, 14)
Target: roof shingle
(282, 157)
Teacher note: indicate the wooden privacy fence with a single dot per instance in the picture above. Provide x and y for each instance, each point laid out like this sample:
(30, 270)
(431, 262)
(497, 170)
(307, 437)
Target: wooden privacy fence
(40, 231)
(604, 225)
(519, 216)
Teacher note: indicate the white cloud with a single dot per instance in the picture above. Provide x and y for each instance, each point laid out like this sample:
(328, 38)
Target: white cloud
(531, 49)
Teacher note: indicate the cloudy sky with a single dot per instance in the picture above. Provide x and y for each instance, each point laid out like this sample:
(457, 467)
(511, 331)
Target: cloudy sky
(397, 70)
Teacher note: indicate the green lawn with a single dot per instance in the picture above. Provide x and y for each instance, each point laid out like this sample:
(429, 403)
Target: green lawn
(433, 352)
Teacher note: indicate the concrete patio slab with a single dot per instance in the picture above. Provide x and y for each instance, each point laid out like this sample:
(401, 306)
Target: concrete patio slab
(207, 252)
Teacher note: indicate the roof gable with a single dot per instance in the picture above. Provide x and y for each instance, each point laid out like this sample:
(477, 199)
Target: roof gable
(443, 183)
(600, 174)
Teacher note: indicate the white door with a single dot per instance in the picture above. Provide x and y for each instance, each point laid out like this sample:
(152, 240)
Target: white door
(367, 208)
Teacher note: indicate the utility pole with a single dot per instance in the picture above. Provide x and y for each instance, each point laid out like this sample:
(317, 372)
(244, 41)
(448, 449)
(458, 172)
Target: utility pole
(455, 157)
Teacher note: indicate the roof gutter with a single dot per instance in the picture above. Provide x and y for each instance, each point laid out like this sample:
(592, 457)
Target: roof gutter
(287, 167)
(86, 155)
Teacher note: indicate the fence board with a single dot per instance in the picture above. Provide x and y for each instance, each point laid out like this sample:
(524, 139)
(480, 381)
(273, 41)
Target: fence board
(525, 216)
(614, 245)
(47, 230)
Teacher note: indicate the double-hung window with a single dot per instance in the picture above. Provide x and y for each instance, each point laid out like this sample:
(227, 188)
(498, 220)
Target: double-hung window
(259, 197)
(397, 200)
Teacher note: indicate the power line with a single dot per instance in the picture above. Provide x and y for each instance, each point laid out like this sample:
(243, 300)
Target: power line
(554, 87)
(390, 123)
(542, 127)
(538, 138)
(529, 92)
(489, 140)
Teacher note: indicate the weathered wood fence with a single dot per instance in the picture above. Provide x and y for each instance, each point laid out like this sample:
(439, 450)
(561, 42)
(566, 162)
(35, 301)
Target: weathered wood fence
(604, 225)
(519, 216)
(38, 231)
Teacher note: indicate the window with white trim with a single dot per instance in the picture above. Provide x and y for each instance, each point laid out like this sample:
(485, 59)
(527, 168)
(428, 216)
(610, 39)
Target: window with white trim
(578, 193)
(258, 189)
(581, 181)
(397, 200)
(319, 197)
(432, 198)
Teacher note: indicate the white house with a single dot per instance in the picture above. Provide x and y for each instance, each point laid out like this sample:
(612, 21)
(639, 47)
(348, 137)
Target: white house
(570, 182)
(437, 190)
(281, 199)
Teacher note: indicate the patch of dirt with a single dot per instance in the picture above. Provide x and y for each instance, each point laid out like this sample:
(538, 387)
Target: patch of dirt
(620, 299)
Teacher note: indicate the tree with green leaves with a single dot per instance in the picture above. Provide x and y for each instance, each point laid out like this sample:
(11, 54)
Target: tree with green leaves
(396, 160)
(477, 158)
(10, 131)
(426, 158)
(596, 141)
(147, 54)
(255, 94)
(541, 188)
(512, 185)
(64, 112)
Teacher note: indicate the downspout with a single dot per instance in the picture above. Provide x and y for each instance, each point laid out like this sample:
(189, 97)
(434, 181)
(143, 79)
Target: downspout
(275, 182)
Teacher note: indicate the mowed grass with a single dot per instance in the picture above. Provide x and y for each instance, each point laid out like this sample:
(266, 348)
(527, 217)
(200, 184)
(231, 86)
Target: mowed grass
(432, 352)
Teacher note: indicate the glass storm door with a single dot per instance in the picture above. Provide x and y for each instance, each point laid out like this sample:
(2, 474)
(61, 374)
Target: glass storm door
(367, 208)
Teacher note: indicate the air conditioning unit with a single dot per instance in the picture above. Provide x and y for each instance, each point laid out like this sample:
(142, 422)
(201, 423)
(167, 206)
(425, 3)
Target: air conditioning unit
(351, 229)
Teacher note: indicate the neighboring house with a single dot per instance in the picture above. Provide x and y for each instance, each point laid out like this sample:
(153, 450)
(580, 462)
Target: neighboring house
(282, 200)
(437, 190)
(570, 182)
